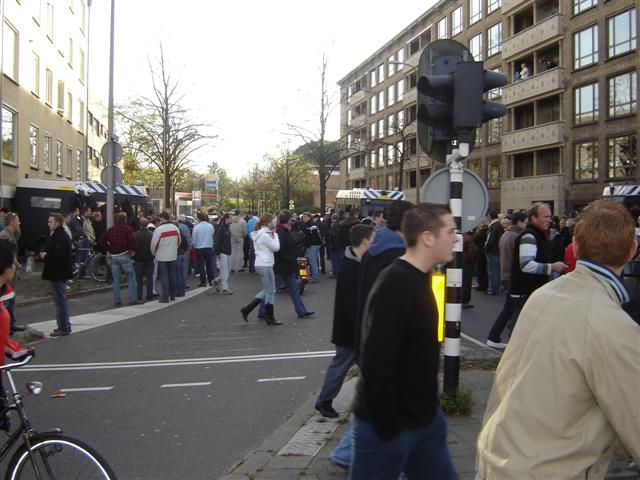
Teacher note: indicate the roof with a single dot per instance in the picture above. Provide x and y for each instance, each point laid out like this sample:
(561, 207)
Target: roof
(88, 187)
(621, 190)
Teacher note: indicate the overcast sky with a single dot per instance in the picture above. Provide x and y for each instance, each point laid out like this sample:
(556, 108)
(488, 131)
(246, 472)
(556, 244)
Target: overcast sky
(247, 68)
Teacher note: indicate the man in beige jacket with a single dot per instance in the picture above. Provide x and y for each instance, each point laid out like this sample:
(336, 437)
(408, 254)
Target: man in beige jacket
(568, 385)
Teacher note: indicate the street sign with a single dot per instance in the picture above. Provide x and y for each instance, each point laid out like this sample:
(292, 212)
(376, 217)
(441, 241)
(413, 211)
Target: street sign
(211, 184)
(475, 200)
(118, 179)
(107, 150)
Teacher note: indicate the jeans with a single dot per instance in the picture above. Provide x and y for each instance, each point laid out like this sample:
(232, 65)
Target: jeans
(503, 318)
(342, 453)
(268, 285)
(313, 260)
(205, 264)
(292, 286)
(236, 253)
(62, 307)
(144, 269)
(167, 272)
(336, 372)
(323, 253)
(125, 264)
(82, 255)
(336, 261)
(181, 281)
(225, 263)
(419, 453)
(493, 268)
(252, 257)
(518, 304)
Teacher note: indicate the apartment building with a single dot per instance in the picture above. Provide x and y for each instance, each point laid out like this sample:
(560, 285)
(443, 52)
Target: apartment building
(44, 92)
(572, 99)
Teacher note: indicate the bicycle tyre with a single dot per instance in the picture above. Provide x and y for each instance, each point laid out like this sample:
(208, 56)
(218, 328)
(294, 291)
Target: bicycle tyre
(58, 457)
(98, 268)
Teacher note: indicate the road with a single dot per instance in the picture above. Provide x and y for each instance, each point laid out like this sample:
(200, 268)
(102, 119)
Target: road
(185, 391)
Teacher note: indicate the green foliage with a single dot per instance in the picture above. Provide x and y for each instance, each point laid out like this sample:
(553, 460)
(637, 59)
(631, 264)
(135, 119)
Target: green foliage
(459, 406)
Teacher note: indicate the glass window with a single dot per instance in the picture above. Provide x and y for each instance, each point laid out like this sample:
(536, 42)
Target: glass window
(381, 72)
(474, 165)
(374, 104)
(69, 161)
(494, 39)
(372, 130)
(373, 159)
(9, 139)
(496, 92)
(373, 78)
(400, 119)
(81, 115)
(400, 58)
(61, 95)
(391, 65)
(493, 5)
(622, 33)
(46, 202)
(59, 157)
(586, 103)
(391, 95)
(10, 51)
(380, 100)
(494, 130)
(585, 47)
(400, 90)
(622, 94)
(36, 74)
(381, 128)
(82, 65)
(391, 125)
(443, 30)
(475, 46)
(582, 5)
(47, 152)
(380, 157)
(622, 156)
(69, 106)
(49, 93)
(33, 144)
(70, 52)
(391, 157)
(475, 11)
(586, 160)
(494, 171)
(456, 21)
(50, 20)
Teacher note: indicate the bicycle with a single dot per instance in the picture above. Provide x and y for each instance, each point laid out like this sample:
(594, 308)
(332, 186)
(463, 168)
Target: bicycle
(45, 455)
(96, 265)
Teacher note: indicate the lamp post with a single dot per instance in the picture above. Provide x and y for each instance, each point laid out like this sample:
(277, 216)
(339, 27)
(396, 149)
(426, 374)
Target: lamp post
(86, 108)
(110, 160)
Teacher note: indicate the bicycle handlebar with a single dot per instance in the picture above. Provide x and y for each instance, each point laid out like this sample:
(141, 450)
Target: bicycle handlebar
(11, 366)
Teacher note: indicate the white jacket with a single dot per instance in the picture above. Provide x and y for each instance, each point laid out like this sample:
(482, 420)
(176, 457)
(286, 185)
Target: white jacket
(165, 241)
(265, 242)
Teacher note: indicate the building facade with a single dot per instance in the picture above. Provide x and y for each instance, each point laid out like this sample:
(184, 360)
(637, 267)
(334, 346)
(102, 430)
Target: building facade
(572, 100)
(44, 93)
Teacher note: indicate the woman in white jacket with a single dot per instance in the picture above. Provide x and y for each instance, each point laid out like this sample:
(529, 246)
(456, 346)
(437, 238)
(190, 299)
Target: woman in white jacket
(265, 242)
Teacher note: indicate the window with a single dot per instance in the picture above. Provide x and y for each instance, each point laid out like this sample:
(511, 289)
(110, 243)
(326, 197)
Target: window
(69, 106)
(33, 143)
(391, 94)
(580, 6)
(381, 100)
(475, 46)
(622, 93)
(475, 11)
(494, 171)
(50, 20)
(82, 66)
(46, 202)
(586, 103)
(391, 125)
(586, 160)
(36, 5)
(373, 159)
(59, 157)
(494, 130)
(400, 90)
(70, 52)
(49, 93)
(622, 33)
(81, 116)
(412, 179)
(60, 97)
(373, 78)
(9, 139)
(69, 161)
(390, 182)
(381, 128)
(456, 21)
(400, 59)
(474, 166)
(381, 73)
(373, 104)
(391, 154)
(372, 131)
(494, 39)
(622, 156)
(411, 146)
(35, 88)
(380, 157)
(414, 46)
(10, 51)
(400, 120)
(442, 28)
(585, 47)
(47, 152)
(496, 92)
(493, 5)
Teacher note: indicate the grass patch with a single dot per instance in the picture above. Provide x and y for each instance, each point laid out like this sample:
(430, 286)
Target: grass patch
(459, 406)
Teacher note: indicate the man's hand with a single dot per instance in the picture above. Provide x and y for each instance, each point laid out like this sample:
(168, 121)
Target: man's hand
(559, 267)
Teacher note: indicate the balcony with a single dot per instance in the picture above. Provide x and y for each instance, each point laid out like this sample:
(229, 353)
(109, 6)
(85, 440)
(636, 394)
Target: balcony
(411, 128)
(410, 96)
(356, 173)
(532, 36)
(357, 122)
(413, 60)
(539, 84)
(357, 97)
(522, 192)
(508, 5)
(533, 137)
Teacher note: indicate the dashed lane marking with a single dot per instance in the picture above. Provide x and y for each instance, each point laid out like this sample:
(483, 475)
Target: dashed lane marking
(86, 389)
(180, 385)
(282, 379)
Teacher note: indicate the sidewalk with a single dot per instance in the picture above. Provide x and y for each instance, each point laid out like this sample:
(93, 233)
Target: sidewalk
(300, 448)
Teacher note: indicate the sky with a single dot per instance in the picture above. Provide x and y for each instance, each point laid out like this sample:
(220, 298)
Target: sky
(246, 68)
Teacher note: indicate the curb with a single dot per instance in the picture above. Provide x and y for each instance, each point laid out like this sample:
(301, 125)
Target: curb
(36, 300)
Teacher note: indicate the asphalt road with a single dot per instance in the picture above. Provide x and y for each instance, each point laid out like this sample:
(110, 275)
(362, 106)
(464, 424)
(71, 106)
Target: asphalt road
(186, 391)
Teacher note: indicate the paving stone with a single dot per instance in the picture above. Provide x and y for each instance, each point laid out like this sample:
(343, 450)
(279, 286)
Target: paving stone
(254, 463)
(289, 462)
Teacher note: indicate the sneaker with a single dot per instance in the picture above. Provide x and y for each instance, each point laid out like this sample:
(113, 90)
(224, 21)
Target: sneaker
(327, 410)
(227, 292)
(498, 345)
(18, 328)
(117, 304)
(306, 315)
(59, 333)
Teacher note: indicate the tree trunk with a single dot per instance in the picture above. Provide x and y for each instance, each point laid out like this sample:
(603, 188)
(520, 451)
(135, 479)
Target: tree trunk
(323, 189)
(401, 172)
(167, 189)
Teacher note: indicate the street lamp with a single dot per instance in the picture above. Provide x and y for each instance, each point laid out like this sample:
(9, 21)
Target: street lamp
(86, 104)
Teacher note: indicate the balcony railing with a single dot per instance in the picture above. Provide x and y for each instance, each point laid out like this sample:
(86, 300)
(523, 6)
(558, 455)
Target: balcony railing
(410, 96)
(532, 36)
(508, 5)
(523, 191)
(357, 97)
(411, 128)
(539, 84)
(356, 173)
(357, 122)
(533, 137)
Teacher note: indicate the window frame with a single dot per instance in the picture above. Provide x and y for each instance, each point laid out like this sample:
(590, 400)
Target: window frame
(495, 49)
(13, 161)
(578, 114)
(633, 90)
(34, 147)
(15, 67)
(46, 149)
(634, 165)
(595, 51)
(456, 29)
(477, 16)
(595, 161)
(443, 21)
(633, 31)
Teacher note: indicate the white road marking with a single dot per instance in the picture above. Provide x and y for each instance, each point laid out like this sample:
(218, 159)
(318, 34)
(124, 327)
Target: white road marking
(176, 362)
(87, 389)
(179, 385)
(477, 342)
(282, 379)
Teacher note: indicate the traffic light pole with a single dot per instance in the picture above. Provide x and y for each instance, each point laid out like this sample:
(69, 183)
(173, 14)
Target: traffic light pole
(453, 306)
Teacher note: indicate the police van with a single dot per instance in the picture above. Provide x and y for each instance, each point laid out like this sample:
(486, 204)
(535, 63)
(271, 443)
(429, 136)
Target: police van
(366, 200)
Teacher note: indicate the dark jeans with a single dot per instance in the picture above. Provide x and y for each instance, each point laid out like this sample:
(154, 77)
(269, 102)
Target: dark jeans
(493, 265)
(291, 282)
(245, 251)
(252, 257)
(336, 261)
(62, 307)
(181, 281)
(503, 318)
(205, 264)
(420, 453)
(336, 372)
(167, 273)
(467, 278)
(519, 303)
(144, 270)
(323, 253)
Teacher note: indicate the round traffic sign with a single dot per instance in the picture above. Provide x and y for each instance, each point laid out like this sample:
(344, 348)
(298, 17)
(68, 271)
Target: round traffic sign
(117, 175)
(112, 148)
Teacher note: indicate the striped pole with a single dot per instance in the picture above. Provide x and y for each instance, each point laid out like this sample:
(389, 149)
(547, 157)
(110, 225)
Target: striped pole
(453, 306)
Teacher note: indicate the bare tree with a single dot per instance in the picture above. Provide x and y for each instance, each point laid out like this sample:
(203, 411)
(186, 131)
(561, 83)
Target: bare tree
(400, 132)
(288, 175)
(160, 131)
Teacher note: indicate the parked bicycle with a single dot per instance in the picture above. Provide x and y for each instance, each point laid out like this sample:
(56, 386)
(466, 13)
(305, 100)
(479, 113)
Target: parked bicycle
(45, 455)
(95, 265)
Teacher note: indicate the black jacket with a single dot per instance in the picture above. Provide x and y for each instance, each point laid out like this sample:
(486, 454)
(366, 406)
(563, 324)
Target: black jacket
(526, 283)
(312, 233)
(285, 259)
(76, 225)
(143, 246)
(493, 238)
(344, 226)
(57, 262)
(344, 308)
(222, 239)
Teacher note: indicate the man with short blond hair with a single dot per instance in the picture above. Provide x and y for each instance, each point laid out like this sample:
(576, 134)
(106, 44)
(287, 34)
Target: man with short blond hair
(566, 389)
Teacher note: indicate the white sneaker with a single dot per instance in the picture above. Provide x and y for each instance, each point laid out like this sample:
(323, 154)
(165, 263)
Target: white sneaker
(500, 345)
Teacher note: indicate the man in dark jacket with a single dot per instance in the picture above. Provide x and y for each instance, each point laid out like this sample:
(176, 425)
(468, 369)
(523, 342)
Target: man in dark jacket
(492, 251)
(314, 240)
(323, 228)
(344, 319)
(341, 238)
(58, 269)
(143, 259)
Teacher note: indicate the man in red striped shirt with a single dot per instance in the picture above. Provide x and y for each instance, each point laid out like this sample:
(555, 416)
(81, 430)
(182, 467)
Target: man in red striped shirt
(164, 245)
(120, 243)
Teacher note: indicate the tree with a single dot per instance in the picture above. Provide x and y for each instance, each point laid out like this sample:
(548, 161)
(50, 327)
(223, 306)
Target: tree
(323, 154)
(290, 177)
(399, 133)
(160, 132)
(226, 186)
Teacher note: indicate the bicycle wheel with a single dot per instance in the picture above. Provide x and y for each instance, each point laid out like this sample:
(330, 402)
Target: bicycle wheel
(98, 268)
(58, 457)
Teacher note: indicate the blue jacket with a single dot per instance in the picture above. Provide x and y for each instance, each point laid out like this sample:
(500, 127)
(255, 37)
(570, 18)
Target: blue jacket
(202, 236)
